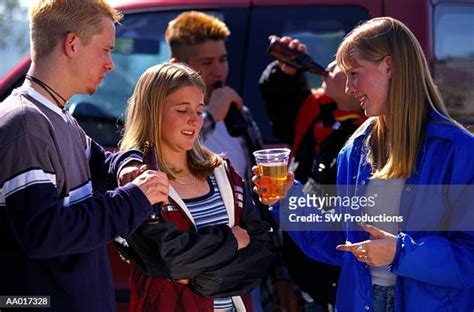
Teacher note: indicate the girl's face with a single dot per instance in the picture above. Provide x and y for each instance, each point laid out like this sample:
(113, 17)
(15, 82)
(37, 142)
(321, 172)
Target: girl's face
(182, 119)
(369, 83)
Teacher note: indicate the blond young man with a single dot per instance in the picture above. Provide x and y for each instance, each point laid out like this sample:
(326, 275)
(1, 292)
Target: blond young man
(198, 39)
(54, 219)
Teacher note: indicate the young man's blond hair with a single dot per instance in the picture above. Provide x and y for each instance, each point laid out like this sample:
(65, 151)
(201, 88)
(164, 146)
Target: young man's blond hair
(51, 20)
(192, 28)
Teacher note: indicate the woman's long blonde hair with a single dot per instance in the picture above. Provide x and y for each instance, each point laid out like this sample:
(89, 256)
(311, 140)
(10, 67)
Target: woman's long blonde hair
(145, 112)
(412, 93)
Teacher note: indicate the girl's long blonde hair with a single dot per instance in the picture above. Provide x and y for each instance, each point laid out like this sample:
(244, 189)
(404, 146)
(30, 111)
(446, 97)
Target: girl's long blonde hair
(412, 93)
(145, 112)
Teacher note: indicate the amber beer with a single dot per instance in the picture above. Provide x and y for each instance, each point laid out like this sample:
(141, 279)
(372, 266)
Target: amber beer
(273, 170)
(273, 180)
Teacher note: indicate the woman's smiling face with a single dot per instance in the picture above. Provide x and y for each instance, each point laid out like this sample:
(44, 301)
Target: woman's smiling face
(369, 83)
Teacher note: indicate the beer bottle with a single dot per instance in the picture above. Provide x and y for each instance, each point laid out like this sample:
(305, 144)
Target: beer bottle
(151, 161)
(149, 156)
(295, 58)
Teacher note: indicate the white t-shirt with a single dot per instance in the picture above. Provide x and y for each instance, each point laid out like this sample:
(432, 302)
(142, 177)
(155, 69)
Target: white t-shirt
(220, 142)
(388, 202)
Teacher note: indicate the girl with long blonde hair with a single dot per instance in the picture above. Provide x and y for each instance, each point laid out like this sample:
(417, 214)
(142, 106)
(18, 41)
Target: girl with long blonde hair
(221, 249)
(416, 161)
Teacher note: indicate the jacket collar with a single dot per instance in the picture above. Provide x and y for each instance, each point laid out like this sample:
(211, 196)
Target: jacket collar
(225, 190)
(441, 127)
(364, 129)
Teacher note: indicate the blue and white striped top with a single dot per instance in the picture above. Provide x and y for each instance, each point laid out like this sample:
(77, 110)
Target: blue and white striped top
(208, 210)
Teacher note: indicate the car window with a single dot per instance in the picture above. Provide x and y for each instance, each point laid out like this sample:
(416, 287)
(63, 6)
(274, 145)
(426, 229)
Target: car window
(140, 43)
(321, 28)
(454, 58)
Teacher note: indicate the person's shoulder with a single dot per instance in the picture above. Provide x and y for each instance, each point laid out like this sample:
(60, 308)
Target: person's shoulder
(12, 106)
(20, 117)
(17, 111)
(454, 140)
(449, 131)
(463, 144)
(463, 137)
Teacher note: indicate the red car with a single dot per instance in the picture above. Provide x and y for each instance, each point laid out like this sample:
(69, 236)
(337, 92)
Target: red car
(444, 29)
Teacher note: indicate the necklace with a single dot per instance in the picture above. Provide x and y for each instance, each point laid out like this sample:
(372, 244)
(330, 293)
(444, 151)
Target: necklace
(186, 183)
(53, 93)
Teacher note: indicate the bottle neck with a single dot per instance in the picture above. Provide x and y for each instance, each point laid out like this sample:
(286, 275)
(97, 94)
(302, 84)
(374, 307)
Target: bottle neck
(295, 58)
(314, 68)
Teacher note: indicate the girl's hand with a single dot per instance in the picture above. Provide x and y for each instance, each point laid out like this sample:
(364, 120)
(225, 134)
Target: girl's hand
(377, 252)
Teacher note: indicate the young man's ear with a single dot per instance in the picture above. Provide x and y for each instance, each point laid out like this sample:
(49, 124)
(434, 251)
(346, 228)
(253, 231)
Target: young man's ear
(174, 60)
(70, 43)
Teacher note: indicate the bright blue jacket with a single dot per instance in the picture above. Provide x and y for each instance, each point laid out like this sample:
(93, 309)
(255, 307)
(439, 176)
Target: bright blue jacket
(434, 269)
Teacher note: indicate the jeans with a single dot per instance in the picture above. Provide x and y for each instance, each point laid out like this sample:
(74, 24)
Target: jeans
(257, 303)
(383, 298)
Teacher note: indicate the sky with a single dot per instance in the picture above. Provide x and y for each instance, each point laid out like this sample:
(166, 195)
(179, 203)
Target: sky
(17, 45)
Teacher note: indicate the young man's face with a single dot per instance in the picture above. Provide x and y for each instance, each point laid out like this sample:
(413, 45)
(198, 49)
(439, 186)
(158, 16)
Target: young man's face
(210, 60)
(94, 59)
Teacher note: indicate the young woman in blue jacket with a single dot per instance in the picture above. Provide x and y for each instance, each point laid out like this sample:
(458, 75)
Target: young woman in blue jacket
(419, 161)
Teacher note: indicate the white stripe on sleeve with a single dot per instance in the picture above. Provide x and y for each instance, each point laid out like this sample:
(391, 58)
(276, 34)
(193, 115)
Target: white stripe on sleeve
(23, 180)
(80, 193)
(88, 147)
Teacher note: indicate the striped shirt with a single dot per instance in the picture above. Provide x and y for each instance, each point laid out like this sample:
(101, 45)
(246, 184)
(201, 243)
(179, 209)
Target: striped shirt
(208, 210)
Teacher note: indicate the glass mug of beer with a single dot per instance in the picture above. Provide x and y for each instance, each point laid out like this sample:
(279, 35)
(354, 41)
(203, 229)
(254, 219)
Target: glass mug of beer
(273, 169)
